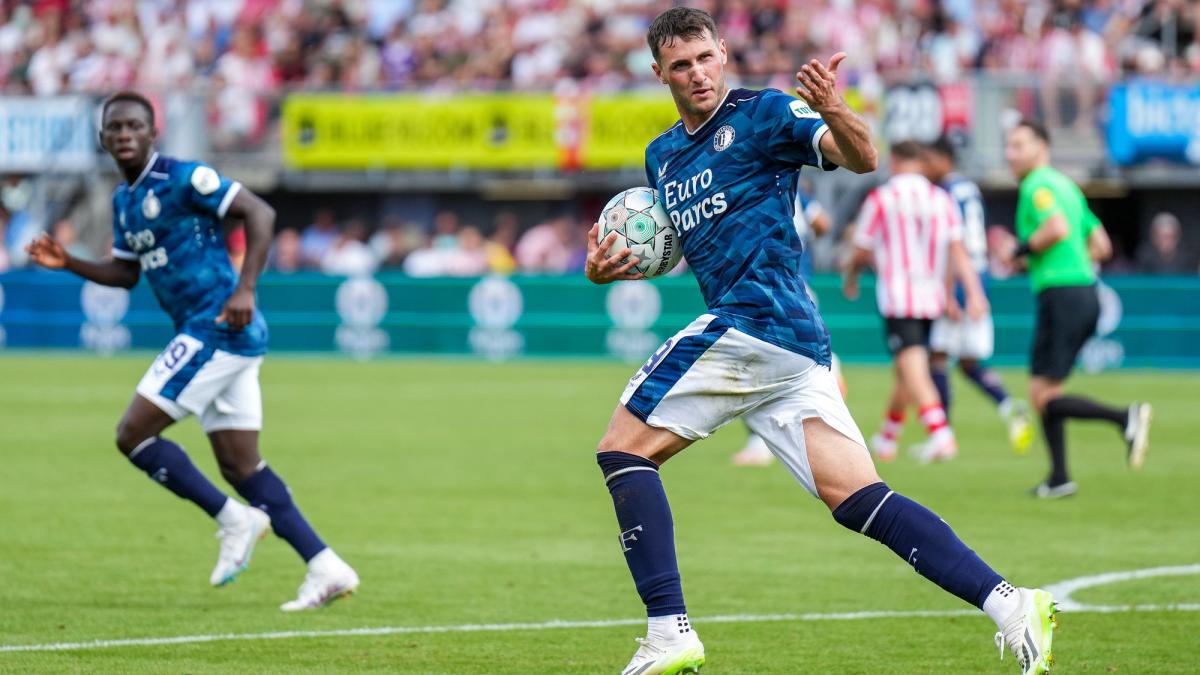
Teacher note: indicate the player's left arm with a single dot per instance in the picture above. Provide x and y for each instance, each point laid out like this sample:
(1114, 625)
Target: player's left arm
(260, 227)
(848, 143)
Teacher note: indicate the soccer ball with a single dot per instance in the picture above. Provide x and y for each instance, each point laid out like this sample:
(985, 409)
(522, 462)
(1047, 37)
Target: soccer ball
(644, 227)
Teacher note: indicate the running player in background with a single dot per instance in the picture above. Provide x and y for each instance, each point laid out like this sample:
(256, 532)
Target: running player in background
(955, 336)
(811, 221)
(167, 224)
(726, 173)
(911, 231)
(1060, 238)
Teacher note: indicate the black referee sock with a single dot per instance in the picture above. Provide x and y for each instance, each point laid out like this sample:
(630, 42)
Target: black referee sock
(1087, 409)
(1054, 426)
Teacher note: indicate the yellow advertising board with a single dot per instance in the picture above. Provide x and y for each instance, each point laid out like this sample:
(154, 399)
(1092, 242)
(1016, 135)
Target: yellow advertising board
(619, 126)
(470, 131)
(474, 131)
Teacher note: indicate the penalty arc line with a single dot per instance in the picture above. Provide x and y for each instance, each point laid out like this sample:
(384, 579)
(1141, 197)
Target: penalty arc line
(1064, 588)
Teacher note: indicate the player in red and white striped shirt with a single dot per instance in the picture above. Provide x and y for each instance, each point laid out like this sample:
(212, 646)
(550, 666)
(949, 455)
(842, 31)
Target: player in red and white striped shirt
(910, 231)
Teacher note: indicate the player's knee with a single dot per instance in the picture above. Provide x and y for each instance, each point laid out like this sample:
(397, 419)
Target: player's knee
(855, 511)
(235, 473)
(129, 437)
(614, 462)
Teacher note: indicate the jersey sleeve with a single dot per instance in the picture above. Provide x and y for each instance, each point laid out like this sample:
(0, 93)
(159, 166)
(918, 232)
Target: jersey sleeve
(208, 191)
(790, 131)
(120, 248)
(1042, 204)
(1090, 220)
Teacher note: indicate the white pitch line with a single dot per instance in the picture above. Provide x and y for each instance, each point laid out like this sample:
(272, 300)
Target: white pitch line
(1065, 588)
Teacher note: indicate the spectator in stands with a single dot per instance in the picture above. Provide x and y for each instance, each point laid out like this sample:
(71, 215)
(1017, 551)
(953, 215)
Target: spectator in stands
(445, 229)
(505, 229)
(1164, 253)
(469, 258)
(318, 238)
(285, 252)
(5, 263)
(350, 256)
(551, 247)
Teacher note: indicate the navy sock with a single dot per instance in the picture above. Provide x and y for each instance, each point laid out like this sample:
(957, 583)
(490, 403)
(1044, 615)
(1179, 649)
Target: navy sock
(266, 491)
(986, 379)
(1087, 409)
(647, 531)
(917, 535)
(941, 380)
(1054, 427)
(169, 465)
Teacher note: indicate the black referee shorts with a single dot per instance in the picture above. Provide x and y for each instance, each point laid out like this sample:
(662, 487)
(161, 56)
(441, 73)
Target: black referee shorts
(1066, 318)
(902, 333)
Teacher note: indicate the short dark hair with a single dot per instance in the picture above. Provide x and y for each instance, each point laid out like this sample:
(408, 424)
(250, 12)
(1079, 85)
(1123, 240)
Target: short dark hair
(679, 22)
(906, 150)
(132, 97)
(943, 146)
(1037, 128)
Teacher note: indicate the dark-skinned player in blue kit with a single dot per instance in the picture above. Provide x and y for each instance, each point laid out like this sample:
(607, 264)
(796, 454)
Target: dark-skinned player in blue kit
(167, 226)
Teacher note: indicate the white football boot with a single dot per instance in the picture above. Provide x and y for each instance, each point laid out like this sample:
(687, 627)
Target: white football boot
(663, 656)
(237, 541)
(1137, 433)
(883, 447)
(328, 578)
(940, 447)
(1029, 632)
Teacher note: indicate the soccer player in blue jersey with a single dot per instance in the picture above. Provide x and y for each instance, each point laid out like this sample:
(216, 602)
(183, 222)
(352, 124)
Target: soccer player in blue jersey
(167, 225)
(956, 335)
(726, 174)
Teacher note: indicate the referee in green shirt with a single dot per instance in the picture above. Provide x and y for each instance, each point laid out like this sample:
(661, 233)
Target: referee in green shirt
(1060, 238)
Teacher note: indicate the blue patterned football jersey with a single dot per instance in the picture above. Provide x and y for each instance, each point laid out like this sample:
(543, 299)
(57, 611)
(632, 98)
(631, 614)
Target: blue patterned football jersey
(169, 220)
(729, 188)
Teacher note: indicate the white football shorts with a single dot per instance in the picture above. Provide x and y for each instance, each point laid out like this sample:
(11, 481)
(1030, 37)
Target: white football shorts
(710, 373)
(220, 388)
(963, 339)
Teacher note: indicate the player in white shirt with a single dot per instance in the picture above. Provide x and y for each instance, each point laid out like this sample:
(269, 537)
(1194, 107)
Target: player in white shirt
(911, 231)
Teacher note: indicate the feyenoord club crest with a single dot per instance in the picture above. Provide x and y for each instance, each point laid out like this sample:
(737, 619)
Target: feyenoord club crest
(151, 206)
(723, 138)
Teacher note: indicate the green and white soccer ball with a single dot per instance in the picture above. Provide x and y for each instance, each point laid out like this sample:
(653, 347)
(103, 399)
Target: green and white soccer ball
(641, 222)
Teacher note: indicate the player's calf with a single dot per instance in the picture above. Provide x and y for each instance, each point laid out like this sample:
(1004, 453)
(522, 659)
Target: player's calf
(168, 465)
(926, 542)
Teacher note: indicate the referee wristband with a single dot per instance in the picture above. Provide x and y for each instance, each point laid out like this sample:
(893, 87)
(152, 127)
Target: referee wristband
(1023, 250)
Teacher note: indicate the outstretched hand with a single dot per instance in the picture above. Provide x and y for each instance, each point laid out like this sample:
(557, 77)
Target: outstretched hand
(47, 252)
(601, 268)
(818, 84)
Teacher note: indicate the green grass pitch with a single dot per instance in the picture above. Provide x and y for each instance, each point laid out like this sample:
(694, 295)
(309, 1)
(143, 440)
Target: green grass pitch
(466, 493)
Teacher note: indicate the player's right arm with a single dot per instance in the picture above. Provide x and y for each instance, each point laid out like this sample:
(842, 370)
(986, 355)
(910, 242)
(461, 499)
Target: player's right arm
(48, 253)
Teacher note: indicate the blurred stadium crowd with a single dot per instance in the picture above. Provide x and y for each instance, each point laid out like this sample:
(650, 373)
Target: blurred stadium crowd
(51, 46)
(246, 53)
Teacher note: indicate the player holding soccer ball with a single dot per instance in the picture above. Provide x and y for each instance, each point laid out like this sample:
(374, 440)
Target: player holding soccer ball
(725, 173)
(167, 225)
